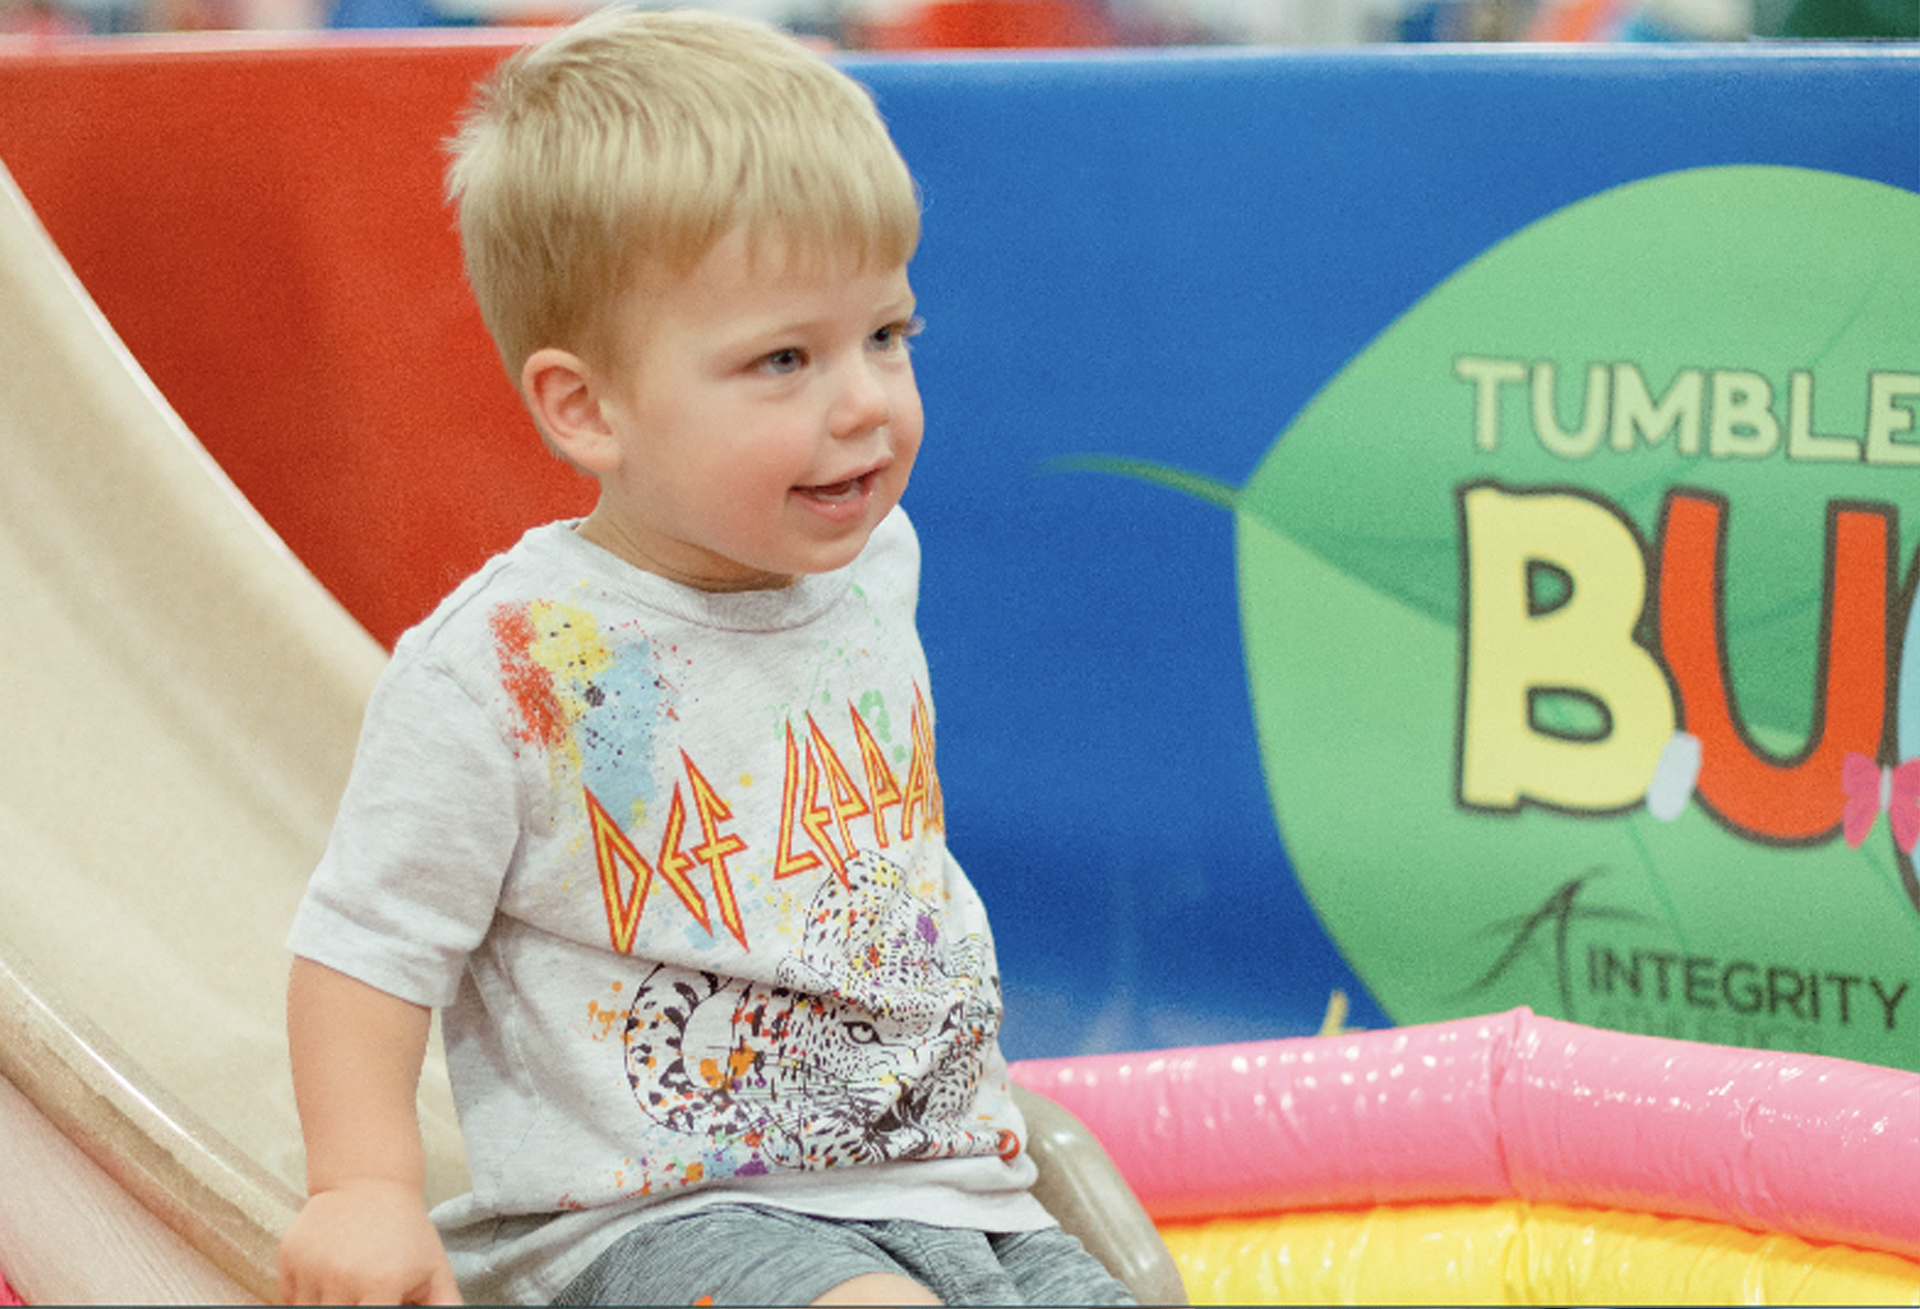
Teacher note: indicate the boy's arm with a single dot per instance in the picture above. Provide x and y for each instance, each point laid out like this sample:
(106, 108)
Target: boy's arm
(364, 1235)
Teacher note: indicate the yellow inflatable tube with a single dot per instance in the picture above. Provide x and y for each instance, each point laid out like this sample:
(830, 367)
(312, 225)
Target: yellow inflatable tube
(1517, 1252)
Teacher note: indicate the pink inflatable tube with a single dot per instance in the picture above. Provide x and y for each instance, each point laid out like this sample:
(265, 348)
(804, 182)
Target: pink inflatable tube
(1510, 1105)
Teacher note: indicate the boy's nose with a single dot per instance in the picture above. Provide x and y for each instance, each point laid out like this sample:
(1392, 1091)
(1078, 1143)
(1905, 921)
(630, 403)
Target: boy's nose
(862, 402)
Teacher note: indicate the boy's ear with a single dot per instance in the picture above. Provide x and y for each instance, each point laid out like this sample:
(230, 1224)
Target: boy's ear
(564, 395)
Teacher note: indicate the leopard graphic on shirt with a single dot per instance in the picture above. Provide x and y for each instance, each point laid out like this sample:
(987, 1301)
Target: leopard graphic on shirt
(872, 1048)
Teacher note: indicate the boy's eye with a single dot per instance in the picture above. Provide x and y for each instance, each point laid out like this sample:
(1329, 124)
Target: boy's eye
(894, 336)
(784, 361)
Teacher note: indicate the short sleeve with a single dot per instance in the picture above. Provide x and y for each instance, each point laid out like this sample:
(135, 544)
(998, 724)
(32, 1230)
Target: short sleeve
(427, 829)
(894, 554)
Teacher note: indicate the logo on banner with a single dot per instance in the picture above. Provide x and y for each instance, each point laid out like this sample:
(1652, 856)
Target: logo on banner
(1579, 621)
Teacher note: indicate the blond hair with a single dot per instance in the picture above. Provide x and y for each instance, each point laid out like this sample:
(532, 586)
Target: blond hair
(635, 140)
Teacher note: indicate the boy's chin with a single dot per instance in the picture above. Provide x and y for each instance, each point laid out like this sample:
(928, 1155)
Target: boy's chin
(780, 568)
(831, 556)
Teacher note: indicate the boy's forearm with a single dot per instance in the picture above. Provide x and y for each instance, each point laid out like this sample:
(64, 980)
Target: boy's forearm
(356, 1055)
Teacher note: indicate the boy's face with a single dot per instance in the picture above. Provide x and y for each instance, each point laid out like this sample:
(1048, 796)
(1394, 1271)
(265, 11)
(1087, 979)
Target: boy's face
(766, 418)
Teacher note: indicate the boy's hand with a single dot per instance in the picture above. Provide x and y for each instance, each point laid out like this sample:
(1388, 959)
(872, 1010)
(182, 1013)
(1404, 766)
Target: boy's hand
(365, 1242)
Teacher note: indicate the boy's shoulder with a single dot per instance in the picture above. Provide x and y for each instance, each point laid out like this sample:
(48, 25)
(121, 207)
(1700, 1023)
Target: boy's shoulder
(894, 547)
(544, 560)
(552, 571)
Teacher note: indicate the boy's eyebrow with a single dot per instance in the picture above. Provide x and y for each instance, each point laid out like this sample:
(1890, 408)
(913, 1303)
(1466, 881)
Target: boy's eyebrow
(906, 306)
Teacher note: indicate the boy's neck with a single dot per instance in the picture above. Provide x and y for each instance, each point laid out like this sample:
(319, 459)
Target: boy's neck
(605, 530)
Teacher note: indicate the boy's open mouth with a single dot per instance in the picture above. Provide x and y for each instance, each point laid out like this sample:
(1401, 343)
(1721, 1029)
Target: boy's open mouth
(838, 492)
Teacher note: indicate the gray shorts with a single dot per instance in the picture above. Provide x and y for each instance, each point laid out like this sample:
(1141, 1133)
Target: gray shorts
(743, 1254)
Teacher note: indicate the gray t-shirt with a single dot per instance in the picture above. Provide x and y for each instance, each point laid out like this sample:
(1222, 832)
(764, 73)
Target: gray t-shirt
(674, 865)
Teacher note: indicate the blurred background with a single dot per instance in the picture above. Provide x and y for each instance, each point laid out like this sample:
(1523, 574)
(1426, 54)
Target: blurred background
(894, 25)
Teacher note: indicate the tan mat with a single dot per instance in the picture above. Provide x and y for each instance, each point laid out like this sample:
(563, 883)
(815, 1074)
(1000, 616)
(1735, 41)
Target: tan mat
(178, 704)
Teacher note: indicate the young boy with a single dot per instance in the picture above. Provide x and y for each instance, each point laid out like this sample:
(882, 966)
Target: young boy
(648, 806)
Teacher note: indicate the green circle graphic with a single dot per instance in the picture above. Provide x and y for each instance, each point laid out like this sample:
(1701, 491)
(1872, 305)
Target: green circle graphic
(1777, 312)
